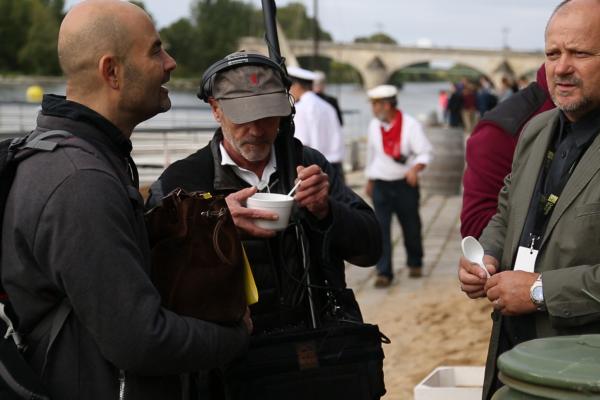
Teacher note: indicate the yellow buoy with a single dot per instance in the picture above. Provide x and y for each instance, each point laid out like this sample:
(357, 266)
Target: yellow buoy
(34, 94)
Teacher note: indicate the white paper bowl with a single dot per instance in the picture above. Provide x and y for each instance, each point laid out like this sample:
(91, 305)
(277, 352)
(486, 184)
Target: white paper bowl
(279, 204)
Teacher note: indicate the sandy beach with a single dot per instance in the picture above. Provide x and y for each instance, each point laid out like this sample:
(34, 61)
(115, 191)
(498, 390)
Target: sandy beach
(427, 332)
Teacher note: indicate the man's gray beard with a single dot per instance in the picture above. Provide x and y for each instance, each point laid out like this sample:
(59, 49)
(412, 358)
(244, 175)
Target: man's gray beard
(254, 156)
(573, 107)
(251, 156)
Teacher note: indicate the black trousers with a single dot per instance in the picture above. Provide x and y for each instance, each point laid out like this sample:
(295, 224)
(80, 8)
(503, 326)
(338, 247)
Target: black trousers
(398, 197)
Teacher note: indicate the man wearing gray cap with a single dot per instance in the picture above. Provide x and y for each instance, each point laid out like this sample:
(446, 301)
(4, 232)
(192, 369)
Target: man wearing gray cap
(250, 152)
(397, 151)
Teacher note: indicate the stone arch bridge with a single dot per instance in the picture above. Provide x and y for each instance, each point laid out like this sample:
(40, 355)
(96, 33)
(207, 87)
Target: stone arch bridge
(377, 62)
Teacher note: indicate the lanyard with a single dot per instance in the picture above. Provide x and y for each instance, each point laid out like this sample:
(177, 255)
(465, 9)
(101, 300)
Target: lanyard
(546, 202)
(551, 190)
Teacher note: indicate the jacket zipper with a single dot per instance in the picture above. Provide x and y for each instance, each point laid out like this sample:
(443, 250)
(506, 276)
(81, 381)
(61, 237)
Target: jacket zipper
(121, 384)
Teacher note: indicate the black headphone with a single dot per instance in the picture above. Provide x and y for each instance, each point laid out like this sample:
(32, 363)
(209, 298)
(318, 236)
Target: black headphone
(236, 60)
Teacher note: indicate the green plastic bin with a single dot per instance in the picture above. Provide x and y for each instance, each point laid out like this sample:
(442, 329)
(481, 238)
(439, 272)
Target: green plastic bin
(558, 368)
(506, 393)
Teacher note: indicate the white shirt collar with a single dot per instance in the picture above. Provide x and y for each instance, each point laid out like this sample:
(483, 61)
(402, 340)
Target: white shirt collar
(248, 176)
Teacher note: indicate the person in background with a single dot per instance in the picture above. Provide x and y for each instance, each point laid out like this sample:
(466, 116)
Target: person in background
(397, 151)
(469, 106)
(489, 152)
(541, 246)
(507, 88)
(522, 82)
(316, 122)
(486, 99)
(454, 107)
(319, 89)
(442, 107)
(79, 242)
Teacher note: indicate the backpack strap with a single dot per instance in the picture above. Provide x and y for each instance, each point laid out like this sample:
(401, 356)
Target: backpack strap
(10, 328)
(54, 321)
(39, 142)
(14, 371)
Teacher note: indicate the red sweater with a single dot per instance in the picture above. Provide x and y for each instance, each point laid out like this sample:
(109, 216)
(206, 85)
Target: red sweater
(490, 149)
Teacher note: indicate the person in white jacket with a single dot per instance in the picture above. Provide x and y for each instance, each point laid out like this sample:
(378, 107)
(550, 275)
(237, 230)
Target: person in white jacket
(316, 122)
(397, 152)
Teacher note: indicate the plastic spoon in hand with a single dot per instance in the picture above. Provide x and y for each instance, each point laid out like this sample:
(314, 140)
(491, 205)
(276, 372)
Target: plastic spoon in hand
(473, 251)
(294, 188)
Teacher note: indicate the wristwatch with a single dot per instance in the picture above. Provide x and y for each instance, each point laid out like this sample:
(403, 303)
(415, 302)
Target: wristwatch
(536, 293)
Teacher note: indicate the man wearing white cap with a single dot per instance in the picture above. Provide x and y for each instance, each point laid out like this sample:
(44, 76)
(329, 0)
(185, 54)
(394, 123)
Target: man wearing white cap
(316, 121)
(397, 151)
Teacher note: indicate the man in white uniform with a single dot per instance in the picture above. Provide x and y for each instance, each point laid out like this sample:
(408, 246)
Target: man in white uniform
(316, 121)
(397, 151)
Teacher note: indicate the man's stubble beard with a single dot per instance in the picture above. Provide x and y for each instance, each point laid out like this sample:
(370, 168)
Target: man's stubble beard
(573, 107)
(136, 98)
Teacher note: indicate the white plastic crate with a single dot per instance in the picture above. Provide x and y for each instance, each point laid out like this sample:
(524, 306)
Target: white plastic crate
(456, 383)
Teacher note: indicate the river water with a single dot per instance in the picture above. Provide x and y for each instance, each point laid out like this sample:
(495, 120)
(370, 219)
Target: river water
(416, 98)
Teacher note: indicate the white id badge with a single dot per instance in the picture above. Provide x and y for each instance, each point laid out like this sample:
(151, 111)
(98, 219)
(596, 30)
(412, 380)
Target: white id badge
(525, 259)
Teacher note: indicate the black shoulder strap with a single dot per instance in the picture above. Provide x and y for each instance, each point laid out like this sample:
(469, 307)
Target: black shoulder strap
(13, 370)
(39, 142)
(513, 113)
(54, 321)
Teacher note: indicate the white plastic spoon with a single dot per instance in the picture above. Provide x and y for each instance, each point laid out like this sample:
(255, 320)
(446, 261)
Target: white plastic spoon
(294, 188)
(473, 251)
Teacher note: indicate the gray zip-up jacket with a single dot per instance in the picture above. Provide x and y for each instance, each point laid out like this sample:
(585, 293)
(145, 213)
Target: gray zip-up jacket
(73, 228)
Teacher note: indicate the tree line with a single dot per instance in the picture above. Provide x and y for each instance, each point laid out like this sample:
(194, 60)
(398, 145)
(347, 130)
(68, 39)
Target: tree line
(29, 30)
(215, 26)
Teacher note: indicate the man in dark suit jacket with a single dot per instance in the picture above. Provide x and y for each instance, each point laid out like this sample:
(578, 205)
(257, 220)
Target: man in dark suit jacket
(542, 245)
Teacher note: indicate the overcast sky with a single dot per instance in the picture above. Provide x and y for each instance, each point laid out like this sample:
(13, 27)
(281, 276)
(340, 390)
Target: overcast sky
(456, 23)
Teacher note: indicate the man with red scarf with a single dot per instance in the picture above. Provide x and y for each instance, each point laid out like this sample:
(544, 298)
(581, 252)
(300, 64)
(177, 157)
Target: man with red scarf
(397, 151)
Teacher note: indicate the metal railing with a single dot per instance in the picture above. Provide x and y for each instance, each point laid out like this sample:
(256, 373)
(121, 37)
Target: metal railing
(176, 134)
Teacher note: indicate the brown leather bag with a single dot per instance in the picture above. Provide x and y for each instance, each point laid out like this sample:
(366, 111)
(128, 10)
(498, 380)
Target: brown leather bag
(197, 261)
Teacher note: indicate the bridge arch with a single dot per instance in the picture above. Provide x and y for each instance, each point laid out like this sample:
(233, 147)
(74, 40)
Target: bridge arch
(476, 71)
(388, 57)
(339, 57)
(372, 67)
(335, 71)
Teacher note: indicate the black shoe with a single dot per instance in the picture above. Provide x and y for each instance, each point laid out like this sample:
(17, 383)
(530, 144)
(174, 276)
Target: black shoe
(415, 272)
(382, 281)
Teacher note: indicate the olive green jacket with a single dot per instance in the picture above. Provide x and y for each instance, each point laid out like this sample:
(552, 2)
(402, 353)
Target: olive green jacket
(569, 257)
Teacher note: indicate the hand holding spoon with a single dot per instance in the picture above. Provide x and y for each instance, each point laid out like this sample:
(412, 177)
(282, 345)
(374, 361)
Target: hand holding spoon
(473, 251)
